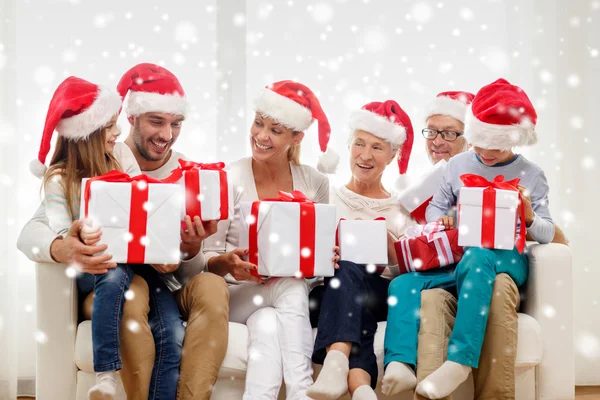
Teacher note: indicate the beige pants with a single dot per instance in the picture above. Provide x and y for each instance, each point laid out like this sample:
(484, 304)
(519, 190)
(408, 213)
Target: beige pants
(495, 377)
(204, 303)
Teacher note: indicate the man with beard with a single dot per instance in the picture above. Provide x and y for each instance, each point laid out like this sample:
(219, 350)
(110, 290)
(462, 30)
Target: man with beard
(156, 109)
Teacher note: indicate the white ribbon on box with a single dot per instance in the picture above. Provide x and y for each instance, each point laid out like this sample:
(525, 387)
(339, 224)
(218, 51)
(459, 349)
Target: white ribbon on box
(109, 208)
(279, 237)
(434, 232)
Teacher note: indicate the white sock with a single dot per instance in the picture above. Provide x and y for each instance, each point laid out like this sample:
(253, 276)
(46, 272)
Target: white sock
(398, 378)
(364, 392)
(444, 380)
(105, 387)
(332, 382)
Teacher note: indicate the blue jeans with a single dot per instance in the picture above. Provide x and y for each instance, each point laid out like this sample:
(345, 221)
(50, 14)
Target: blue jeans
(473, 278)
(164, 320)
(349, 313)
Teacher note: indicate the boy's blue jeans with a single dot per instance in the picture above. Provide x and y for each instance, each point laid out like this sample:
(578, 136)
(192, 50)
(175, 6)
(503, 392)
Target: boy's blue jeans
(164, 319)
(473, 278)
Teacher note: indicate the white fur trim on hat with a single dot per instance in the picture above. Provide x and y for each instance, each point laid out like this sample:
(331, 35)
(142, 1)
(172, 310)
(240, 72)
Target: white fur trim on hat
(105, 106)
(498, 137)
(377, 125)
(444, 105)
(139, 103)
(328, 161)
(283, 110)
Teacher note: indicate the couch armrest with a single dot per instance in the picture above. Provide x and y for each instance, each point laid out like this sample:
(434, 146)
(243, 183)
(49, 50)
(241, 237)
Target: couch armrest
(549, 300)
(56, 323)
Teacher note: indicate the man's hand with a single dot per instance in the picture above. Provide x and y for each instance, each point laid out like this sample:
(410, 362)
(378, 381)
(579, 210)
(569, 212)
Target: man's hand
(71, 250)
(196, 231)
(165, 268)
(233, 264)
(529, 214)
(447, 221)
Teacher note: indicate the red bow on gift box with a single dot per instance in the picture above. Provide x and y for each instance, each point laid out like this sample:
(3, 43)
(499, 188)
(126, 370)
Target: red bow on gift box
(192, 185)
(488, 227)
(307, 230)
(138, 216)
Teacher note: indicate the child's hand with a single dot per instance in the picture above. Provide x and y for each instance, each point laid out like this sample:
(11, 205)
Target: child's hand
(90, 235)
(529, 214)
(336, 257)
(447, 221)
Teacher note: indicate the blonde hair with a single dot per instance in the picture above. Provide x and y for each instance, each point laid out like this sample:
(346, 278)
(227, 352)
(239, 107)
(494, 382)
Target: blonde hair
(74, 160)
(294, 154)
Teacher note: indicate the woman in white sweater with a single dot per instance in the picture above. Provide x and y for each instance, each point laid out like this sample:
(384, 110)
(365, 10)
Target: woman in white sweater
(280, 335)
(349, 315)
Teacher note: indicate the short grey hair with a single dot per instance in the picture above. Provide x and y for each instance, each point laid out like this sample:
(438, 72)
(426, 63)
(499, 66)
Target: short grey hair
(352, 135)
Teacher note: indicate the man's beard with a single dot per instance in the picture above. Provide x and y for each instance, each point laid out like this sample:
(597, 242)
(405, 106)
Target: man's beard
(142, 151)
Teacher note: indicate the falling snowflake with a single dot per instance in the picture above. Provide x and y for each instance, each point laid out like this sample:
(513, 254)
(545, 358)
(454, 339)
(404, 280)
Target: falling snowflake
(322, 13)
(421, 13)
(374, 40)
(576, 122)
(588, 162)
(41, 337)
(264, 10)
(334, 283)
(239, 19)
(186, 32)
(44, 76)
(573, 80)
(467, 14)
(495, 59)
(546, 76)
(133, 326)
(549, 311)
(588, 345)
(71, 272)
(392, 301)
(178, 58)
(258, 300)
(129, 295)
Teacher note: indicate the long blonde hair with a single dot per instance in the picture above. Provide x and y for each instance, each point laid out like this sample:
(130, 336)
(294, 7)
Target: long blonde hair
(294, 153)
(74, 160)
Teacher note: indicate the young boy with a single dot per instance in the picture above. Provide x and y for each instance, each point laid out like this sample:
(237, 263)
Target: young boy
(501, 118)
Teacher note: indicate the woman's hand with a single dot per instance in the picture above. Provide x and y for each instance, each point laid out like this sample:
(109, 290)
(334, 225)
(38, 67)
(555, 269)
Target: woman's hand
(336, 257)
(232, 263)
(447, 221)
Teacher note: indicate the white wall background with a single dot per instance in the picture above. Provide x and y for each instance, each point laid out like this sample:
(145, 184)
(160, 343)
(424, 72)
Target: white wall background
(349, 52)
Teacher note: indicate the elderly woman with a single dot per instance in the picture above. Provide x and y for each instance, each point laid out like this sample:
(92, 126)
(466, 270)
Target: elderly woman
(349, 315)
(275, 310)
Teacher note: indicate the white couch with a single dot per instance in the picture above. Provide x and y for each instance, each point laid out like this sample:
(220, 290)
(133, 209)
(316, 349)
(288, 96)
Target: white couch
(544, 366)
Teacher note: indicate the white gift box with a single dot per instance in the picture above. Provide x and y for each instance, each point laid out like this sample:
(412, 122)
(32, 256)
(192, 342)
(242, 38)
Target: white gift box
(133, 240)
(363, 241)
(499, 231)
(210, 196)
(278, 238)
(416, 197)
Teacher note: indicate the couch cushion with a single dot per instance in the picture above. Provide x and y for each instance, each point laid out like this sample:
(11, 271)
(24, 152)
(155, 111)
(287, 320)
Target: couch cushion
(529, 349)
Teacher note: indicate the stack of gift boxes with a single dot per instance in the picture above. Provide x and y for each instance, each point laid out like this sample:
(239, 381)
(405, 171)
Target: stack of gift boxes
(290, 235)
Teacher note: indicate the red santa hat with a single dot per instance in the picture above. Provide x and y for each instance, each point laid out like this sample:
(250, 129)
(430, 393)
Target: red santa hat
(152, 88)
(295, 106)
(389, 122)
(452, 104)
(77, 109)
(501, 117)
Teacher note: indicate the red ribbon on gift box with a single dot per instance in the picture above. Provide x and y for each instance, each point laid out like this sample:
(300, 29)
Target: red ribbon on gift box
(433, 247)
(190, 170)
(138, 215)
(307, 231)
(488, 228)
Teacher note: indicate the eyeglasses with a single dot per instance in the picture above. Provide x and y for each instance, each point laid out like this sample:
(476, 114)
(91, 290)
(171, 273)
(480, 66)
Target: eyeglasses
(448, 136)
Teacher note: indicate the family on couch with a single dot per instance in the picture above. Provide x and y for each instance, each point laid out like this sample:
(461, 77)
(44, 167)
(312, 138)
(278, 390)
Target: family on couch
(138, 311)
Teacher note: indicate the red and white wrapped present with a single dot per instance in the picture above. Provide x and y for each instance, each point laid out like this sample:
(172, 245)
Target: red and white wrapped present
(289, 235)
(416, 198)
(207, 191)
(363, 242)
(427, 247)
(139, 217)
(488, 212)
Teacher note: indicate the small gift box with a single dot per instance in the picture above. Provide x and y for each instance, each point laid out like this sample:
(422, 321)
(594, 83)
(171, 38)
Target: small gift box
(363, 242)
(488, 212)
(416, 198)
(207, 192)
(427, 247)
(139, 217)
(289, 235)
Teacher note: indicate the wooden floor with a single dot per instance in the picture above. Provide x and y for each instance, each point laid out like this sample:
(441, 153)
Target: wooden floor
(581, 393)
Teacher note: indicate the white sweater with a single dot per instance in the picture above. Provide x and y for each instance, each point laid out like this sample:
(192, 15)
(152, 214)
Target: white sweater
(351, 205)
(37, 235)
(305, 179)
